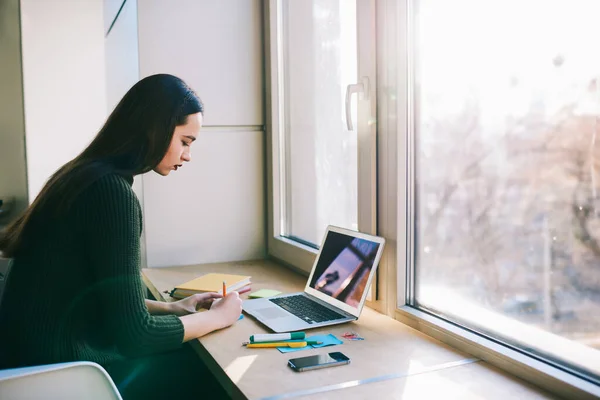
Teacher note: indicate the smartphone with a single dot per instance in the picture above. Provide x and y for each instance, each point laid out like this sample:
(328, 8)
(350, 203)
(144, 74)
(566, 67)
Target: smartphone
(318, 361)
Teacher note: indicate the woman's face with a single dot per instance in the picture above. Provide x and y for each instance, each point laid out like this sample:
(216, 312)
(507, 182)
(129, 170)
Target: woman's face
(179, 149)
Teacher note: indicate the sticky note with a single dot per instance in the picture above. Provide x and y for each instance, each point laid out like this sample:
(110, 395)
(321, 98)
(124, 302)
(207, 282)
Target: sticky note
(327, 340)
(263, 293)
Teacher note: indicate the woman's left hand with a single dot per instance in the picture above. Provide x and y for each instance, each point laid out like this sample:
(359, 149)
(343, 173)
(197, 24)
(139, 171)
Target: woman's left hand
(191, 304)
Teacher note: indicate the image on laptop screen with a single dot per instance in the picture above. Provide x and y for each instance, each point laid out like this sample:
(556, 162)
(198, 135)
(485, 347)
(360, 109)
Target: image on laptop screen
(344, 266)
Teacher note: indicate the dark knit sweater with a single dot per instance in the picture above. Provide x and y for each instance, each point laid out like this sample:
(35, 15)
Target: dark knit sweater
(75, 291)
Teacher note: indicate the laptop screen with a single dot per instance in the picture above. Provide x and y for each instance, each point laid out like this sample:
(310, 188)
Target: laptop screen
(343, 268)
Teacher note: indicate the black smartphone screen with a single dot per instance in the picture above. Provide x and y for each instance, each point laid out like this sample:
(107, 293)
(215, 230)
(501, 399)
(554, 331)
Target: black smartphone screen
(318, 361)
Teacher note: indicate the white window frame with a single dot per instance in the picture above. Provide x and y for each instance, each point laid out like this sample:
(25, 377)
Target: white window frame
(394, 201)
(293, 253)
(395, 37)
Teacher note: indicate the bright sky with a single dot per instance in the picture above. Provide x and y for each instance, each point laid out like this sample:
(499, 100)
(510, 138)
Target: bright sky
(502, 52)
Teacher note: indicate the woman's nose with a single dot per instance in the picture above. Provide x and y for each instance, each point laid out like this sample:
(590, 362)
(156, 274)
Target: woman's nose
(186, 156)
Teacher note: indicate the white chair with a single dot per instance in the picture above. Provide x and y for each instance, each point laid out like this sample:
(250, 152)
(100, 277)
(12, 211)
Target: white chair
(73, 380)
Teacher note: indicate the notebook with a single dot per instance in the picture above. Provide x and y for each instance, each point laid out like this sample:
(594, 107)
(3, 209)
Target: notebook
(212, 282)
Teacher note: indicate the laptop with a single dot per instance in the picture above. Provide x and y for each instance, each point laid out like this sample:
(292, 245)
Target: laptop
(336, 288)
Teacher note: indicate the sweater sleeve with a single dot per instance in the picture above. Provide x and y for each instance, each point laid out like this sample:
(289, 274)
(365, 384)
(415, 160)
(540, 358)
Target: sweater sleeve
(111, 220)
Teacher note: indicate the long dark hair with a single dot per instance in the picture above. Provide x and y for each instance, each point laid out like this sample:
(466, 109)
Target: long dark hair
(134, 140)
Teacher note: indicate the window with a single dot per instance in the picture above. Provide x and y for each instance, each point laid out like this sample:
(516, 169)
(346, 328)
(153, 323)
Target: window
(489, 164)
(507, 173)
(320, 152)
(322, 131)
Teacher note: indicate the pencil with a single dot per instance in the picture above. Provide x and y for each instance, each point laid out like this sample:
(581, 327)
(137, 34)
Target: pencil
(305, 342)
(224, 289)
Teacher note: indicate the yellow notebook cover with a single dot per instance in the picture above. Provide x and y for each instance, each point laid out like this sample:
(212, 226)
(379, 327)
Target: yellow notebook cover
(213, 282)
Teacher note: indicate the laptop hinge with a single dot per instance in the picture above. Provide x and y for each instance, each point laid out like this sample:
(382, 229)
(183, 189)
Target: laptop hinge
(331, 307)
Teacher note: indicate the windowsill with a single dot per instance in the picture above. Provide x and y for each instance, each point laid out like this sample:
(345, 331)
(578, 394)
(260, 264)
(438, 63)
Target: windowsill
(295, 255)
(422, 367)
(539, 373)
(482, 319)
(299, 245)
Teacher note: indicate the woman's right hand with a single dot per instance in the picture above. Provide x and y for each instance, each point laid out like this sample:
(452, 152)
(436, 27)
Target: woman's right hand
(227, 309)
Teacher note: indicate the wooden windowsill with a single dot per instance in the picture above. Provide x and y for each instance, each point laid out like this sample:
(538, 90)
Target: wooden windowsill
(394, 361)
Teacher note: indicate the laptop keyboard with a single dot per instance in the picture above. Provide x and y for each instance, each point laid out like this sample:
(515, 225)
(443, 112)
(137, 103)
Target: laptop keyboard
(306, 309)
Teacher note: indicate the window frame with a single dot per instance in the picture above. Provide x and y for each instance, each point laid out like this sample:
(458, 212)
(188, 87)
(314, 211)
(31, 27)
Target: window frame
(294, 253)
(399, 30)
(394, 200)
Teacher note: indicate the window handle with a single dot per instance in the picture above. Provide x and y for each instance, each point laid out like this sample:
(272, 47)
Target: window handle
(361, 87)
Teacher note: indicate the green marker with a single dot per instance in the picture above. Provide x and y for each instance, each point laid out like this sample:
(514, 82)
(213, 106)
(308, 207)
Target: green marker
(276, 337)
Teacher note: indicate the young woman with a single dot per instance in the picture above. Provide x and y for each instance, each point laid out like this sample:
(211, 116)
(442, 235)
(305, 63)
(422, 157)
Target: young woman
(75, 291)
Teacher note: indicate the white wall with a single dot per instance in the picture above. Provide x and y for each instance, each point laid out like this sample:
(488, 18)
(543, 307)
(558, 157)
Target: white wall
(64, 82)
(122, 67)
(212, 209)
(111, 10)
(13, 173)
(215, 45)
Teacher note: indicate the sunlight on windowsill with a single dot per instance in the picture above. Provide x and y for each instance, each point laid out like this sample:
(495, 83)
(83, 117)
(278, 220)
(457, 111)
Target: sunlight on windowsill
(238, 367)
(415, 367)
(432, 386)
